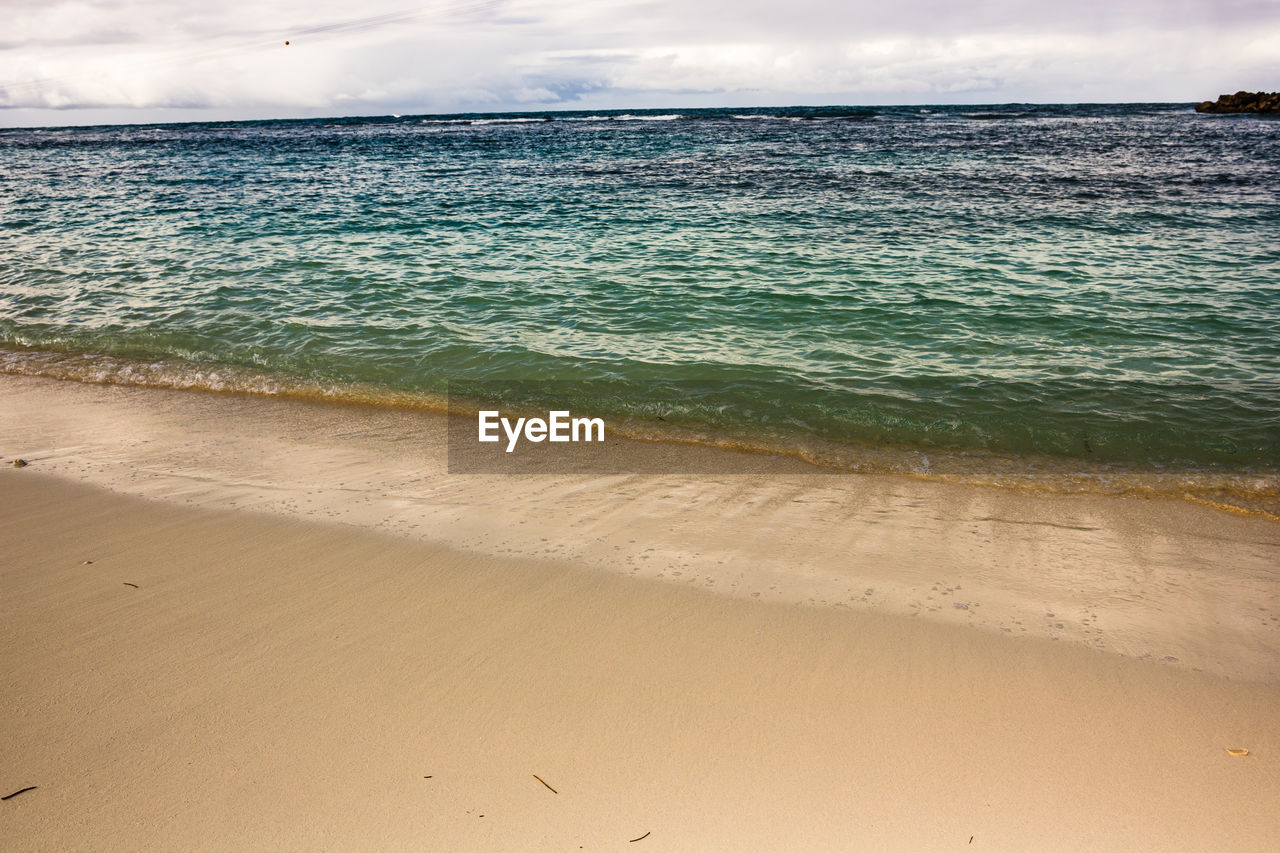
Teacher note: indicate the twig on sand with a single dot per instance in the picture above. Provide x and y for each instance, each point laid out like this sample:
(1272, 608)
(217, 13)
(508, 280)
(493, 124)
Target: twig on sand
(23, 791)
(549, 788)
(134, 585)
(641, 838)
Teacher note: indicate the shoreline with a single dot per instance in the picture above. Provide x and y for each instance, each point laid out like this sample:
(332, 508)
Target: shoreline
(218, 678)
(1247, 492)
(1160, 579)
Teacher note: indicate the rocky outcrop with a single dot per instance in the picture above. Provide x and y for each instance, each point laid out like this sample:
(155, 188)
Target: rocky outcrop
(1243, 102)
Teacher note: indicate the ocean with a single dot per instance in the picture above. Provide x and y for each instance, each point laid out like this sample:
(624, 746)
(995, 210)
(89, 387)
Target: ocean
(1080, 297)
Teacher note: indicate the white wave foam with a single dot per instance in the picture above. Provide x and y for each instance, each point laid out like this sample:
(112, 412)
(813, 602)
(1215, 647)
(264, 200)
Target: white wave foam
(483, 120)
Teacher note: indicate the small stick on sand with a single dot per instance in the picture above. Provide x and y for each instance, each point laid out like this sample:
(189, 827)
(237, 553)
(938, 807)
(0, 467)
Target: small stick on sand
(134, 585)
(549, 788)
(23, 791)
(641, 838)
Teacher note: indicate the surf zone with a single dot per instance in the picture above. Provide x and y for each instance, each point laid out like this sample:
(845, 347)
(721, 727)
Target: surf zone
(558, 426)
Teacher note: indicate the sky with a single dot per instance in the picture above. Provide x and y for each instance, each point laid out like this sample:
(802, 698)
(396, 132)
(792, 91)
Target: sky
(121, 61)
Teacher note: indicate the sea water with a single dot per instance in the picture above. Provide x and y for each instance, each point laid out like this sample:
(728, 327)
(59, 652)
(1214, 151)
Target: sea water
(1071, 296)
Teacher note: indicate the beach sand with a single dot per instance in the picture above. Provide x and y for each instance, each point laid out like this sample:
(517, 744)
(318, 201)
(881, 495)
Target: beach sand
(235, 623)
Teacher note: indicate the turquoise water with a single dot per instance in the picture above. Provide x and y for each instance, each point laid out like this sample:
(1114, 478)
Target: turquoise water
(1089, 285)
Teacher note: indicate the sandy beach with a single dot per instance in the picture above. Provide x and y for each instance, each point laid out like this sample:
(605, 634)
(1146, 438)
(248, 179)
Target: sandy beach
(234, 622)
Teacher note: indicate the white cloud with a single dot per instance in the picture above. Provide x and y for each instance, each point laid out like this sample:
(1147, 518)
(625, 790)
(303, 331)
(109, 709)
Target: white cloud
(140, 59)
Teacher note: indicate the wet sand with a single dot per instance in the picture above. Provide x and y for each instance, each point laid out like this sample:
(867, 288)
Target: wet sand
(1154, 578)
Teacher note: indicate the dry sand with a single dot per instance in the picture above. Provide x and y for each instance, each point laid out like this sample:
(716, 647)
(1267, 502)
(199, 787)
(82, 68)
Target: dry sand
(322, 619)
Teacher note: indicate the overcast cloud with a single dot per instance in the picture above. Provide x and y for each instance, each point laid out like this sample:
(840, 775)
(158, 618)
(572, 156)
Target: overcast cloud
(88, 61)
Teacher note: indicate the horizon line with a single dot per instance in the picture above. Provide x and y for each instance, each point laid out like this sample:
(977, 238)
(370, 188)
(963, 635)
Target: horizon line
(564, 111)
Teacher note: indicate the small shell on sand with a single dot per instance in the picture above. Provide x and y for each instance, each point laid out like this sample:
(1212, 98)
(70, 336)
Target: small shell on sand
(19, 463)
